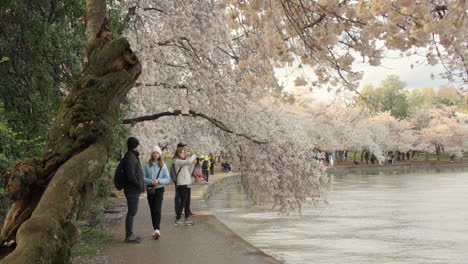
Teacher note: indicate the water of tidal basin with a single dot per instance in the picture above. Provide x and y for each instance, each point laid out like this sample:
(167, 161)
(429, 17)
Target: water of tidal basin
(393, 217)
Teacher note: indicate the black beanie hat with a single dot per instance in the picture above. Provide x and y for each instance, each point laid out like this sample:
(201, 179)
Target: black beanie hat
(132, 143)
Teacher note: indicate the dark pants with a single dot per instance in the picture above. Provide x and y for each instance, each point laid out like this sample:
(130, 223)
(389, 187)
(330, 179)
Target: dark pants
(184, 201)
(155, 203)
(176, 199)
(132, 205)
(212, 170)
(206, 173)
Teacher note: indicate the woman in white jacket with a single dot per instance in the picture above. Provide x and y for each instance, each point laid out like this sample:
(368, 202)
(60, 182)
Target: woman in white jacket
(184, 168)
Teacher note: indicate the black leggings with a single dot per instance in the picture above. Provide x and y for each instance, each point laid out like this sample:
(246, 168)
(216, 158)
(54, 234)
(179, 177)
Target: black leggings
(184, 201)
(155, 204)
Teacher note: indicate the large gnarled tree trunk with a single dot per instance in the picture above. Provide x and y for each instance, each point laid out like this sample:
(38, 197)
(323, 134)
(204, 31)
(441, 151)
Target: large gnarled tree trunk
(46, 192)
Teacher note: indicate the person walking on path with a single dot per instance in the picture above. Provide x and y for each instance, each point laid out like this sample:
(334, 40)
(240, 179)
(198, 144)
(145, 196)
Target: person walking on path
(184, 168)
(212, 164)
(197, 171)
(156, 176)
(205, 165)
(133, 186)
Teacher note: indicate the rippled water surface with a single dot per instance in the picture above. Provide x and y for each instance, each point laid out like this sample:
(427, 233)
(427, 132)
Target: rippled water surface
(393, 217)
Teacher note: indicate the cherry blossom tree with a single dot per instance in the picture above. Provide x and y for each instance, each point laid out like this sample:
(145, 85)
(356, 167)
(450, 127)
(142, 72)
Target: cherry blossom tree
(329, 35)
(195, 87)
(399, 135)
(443, 133)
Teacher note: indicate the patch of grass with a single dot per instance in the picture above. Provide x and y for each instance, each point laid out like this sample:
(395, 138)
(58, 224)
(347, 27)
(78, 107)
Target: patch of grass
(81, 249)
(93, 234)
(91, 238)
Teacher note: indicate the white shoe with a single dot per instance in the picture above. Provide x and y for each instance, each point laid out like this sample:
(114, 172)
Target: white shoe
(180, 222)
(188, 221)
(156, 234)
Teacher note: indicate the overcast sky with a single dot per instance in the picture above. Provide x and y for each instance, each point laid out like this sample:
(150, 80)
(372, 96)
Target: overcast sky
(418, 77)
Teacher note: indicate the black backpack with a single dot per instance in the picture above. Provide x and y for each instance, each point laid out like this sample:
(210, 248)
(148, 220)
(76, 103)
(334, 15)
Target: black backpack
(119, 176)
(205, 165)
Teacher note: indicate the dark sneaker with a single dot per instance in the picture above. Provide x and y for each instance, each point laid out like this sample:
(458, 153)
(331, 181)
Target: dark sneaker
(180, 222)
(133, 239)
(188, 222)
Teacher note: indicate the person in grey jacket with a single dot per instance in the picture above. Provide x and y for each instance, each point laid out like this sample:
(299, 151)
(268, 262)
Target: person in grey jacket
(156, 176)
(133, 186)
(184, 168)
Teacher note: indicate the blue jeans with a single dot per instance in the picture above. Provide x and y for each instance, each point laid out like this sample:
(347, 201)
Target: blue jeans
(206, 173)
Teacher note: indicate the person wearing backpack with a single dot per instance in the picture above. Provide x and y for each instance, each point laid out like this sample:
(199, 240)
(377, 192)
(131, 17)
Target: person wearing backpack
(205, 167)
(183, 168)
(212, 164)
(133, 186)
(156, 176)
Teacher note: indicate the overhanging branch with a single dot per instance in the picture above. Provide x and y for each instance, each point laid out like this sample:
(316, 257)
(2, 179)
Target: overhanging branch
(153, 9)
(192, 113)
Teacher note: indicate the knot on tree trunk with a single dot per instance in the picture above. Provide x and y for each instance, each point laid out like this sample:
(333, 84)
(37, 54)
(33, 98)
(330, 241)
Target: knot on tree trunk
(22, 177)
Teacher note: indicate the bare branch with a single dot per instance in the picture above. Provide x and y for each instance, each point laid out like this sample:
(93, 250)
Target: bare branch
(233, 56)
(192, 113)
(153, 9)
(168, 86)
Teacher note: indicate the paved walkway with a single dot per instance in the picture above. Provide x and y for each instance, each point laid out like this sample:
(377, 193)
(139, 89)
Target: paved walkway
(207, 241)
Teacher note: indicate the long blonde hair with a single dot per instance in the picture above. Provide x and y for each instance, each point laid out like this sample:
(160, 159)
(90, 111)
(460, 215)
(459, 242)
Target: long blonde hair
(160, 160)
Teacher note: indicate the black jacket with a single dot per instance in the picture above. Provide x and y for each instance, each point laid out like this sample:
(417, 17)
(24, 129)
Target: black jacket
(134, 174)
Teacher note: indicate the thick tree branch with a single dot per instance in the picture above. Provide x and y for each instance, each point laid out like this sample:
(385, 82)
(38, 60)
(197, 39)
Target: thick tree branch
(153, 9)
(95, 16)
(192, 113)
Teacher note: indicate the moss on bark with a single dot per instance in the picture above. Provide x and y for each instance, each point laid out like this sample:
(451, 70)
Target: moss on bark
(46, 193)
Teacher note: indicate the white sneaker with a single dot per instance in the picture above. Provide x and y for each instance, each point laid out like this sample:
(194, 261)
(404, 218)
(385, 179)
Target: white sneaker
(180, 222)
(188, 221)
(156, 234)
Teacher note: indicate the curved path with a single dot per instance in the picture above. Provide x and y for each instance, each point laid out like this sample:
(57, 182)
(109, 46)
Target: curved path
(207, 241)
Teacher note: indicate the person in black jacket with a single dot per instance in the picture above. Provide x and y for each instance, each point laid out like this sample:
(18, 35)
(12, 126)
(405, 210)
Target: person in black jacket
(133, 187)
(212, 164)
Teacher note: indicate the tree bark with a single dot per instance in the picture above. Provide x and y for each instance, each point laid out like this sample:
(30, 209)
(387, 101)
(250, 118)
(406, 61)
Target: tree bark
(46, 193)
